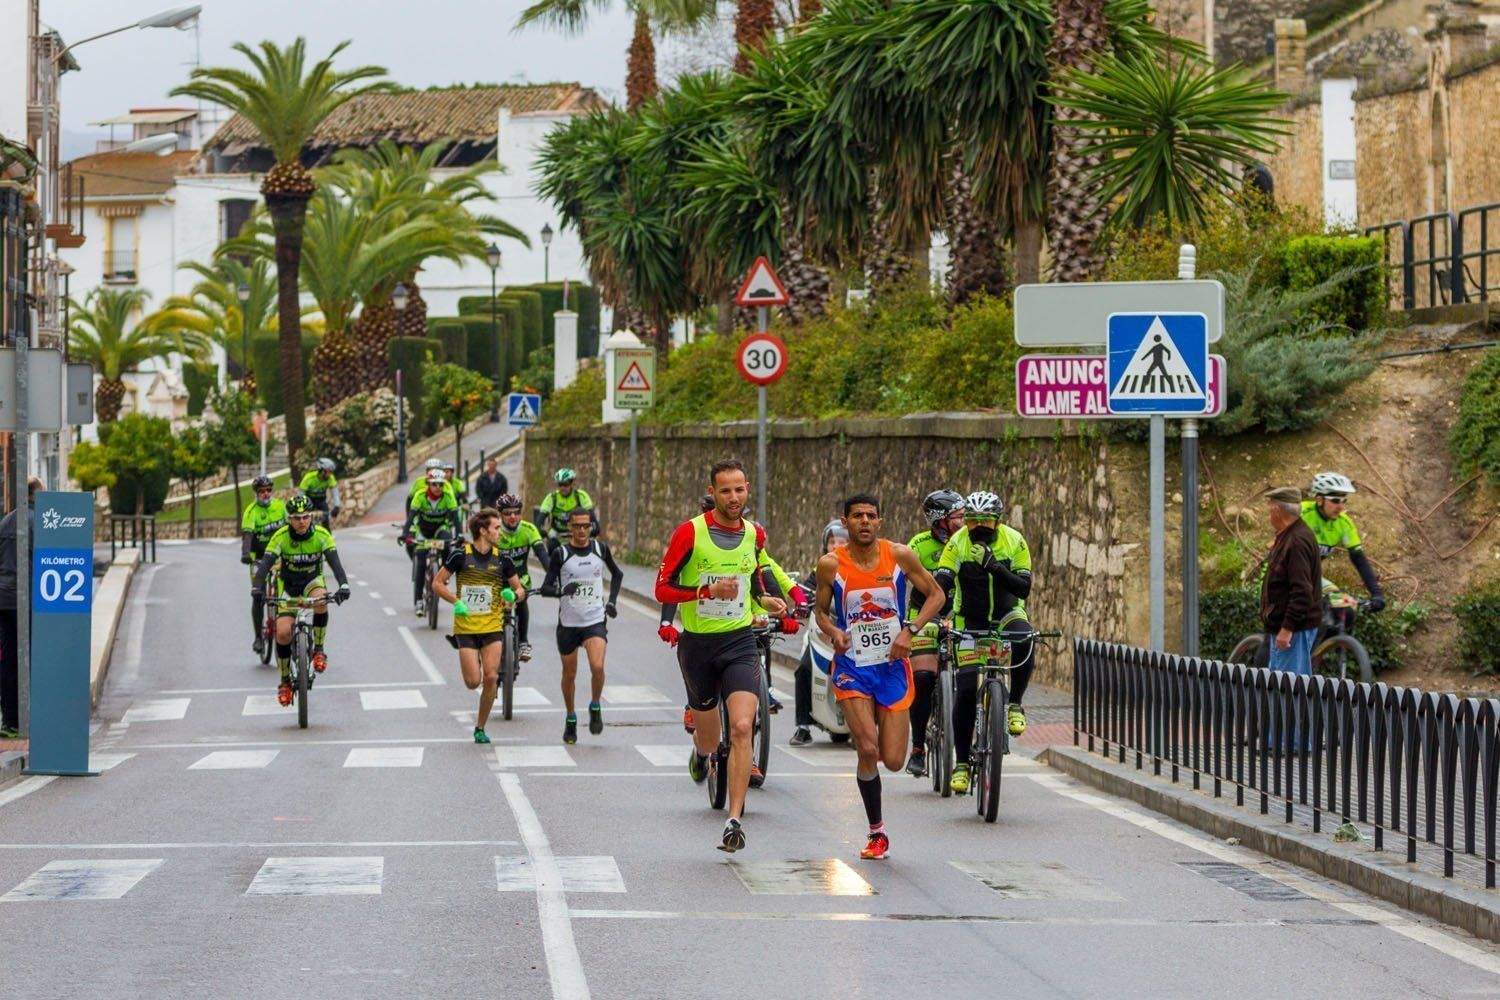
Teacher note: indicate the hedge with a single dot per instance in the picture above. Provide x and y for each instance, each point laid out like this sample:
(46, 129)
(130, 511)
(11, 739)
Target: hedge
(265, 352)
(412, 355)
(1360, 302)
(584, 300)
(528, 305)
(455, 341)
(201, 378)
(1478, 614)
(1475, 438)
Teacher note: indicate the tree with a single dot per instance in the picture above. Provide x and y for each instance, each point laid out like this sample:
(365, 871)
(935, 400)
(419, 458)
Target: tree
(138, 452)
(106, 332)
(193, 460)
(231, 435)
(88, 466)
(286, 101)
(454, 395)
(213, 308)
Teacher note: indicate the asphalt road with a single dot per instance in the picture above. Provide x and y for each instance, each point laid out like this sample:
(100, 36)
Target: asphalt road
(380, 853)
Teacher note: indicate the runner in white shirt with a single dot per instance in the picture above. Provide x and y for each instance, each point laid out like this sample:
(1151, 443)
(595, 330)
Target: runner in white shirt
(576, 577)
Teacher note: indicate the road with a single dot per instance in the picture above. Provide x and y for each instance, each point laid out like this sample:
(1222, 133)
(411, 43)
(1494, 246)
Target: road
(380, 853)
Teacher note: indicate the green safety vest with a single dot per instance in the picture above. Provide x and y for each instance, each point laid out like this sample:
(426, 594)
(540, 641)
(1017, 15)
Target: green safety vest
(708, 563)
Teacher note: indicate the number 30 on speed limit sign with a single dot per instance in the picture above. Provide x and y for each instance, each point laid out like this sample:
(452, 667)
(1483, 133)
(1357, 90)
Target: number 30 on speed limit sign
(762, 358)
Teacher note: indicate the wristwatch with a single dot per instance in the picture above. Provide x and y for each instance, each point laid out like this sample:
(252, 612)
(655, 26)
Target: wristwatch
(913, 627)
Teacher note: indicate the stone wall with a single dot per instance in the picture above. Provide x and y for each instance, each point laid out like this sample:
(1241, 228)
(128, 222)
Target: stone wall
(1297, 168)
(1475, 136)
(1066, 491)
(1393, 135)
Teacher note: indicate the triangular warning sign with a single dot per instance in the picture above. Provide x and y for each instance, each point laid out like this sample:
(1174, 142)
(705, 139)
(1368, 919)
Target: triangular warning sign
(634, 380)
(521, 410)
(762, 287)
(1156, 370)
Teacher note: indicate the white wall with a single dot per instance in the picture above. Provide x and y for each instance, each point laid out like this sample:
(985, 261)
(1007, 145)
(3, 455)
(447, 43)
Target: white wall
(14, 17)
(155, 252)
(1340, 204)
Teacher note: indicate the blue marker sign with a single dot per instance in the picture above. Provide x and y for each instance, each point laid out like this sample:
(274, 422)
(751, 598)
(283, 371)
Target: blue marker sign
(62, 600)
(523, 409)
(1158, 363)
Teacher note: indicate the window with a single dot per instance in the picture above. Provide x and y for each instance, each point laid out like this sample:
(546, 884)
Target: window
(233, 214)
(119, 250)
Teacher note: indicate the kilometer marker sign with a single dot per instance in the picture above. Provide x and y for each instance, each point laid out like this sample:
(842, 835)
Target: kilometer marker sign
(1076, 386)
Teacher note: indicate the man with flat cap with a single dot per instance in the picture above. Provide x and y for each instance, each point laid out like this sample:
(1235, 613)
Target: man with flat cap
(1291, 593)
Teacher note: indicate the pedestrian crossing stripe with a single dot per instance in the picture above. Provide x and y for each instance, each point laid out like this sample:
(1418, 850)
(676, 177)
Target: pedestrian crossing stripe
(1158, 362)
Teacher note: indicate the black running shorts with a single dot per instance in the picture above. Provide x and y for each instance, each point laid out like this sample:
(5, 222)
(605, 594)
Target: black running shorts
(570, 637)
(717, 664)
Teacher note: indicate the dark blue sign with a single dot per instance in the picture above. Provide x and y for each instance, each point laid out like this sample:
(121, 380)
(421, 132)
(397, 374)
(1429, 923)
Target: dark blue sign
(62, 594)
(1158, 363)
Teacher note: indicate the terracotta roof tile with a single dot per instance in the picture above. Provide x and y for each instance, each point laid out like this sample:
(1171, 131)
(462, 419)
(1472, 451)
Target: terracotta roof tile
(118, 173)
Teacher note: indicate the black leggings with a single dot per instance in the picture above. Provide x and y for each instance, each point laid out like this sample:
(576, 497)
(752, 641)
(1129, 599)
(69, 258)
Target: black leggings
(523, 620)
(802, 689)
(419, 564)
(966, 690)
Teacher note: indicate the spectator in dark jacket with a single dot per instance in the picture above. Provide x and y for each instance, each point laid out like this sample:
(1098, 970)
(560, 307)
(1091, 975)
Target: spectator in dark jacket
(10, 715)
(1291, 595)
(491, 485)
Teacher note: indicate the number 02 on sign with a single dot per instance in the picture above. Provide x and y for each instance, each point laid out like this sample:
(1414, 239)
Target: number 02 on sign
(762, 358)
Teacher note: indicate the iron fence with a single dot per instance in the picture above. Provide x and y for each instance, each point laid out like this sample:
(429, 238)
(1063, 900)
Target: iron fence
(133, 531)
(1417, 766)
(1443, 258)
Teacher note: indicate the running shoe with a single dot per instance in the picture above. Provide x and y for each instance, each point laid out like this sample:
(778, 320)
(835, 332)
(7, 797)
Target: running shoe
(570, 729)
(687, 719)
(319, 660)
(480, 736)
(596, 720)
(916, 764)
(801, 737)
(523, 653)
(284, 694)
(1015, 719)
(697, 766)
(420, 609)
(9, 733)
(757, 776)
(959, 783)
(877, 847)
(733, 838)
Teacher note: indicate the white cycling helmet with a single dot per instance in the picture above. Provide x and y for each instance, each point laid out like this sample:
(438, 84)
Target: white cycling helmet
(435, 476)
(434, 463)
(326, 464)
(983, 502)
(835, 529)
(1331, 484)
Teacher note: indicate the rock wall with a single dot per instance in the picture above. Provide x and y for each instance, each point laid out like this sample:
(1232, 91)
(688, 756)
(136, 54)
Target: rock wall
(1063, 489)
(1393, 135)
(1475, 136)
(1297, 168)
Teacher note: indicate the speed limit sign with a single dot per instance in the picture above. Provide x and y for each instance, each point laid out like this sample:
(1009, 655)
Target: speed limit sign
(762, 358)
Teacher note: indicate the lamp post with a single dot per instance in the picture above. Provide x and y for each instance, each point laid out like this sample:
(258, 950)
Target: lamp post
(546, 252)
(398, 299)
(492, 257)
(243, 294)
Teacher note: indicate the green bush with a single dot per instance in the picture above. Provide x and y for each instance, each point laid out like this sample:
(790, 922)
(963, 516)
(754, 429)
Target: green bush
(1359, 302)
(138, 451)
(265, 351)
(455, 341)
(358, 432)
(1385, 635)
(578, 404)
(412, 355)
(1475, 438)
(482, 341)
(536, 376)
(1225, 616)
(530, 302)
(582, 299)
(201, 379)
(1478, 614)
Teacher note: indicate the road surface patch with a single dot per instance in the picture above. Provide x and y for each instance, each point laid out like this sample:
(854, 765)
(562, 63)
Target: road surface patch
(801, 877)
(318, 877)
(515, 873)
(1036, 880)
(234, 760)
(75, 880)
(1242, 879)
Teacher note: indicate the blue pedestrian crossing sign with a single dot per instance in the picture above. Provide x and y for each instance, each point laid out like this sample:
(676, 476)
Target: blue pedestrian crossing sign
(523, 409)
(1158, 363)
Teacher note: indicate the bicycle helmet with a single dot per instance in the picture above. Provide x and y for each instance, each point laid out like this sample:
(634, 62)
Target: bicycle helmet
(834, 529)
(983, 502)
(299, 505)
(508, 501)
(1331, 484)
(448, 464)
(565, 475)
(326, 464)
(436, 476)
(706, 503)
(262, 483)
(434, 463)
(940, 504)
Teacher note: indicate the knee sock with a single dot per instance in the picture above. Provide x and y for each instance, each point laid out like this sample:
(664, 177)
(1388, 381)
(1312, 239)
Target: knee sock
(965, 702)
(284, 659)
(921, 706)
(257, 614)
(869, 791)
(320, 628)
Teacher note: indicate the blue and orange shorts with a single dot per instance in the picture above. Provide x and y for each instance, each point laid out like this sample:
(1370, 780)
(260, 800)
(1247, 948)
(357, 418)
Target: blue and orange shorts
(889, 685)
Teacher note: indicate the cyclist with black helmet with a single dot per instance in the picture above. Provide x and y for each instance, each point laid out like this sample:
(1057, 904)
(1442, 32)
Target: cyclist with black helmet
(552, 515)
(519, 539)
(943, 510)
(302, 547)
(322, 488)
(261, 520)
(986, 570)
(1327, 514)
(435, 515)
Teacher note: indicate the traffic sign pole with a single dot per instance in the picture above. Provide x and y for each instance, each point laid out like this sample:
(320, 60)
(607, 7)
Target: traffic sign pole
(1187, 270)
(1158, 531)
(763, 324)
(635, 484)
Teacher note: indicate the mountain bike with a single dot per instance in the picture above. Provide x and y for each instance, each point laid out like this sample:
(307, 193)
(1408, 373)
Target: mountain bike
(509, 662)
(766, 632)
(939, 735)
(268, 633)
(302, 646)
(1335, 652)
(991, 733)
(429, 596)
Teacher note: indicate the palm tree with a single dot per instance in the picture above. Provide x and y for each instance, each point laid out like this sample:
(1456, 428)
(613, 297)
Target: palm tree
(664, 15)
(102, 333)
(1080, 36)
(286, 101)
(754, 23)
(212, 307)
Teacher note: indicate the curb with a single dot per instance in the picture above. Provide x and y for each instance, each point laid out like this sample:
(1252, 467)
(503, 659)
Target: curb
(113, 591)
(1476, 911)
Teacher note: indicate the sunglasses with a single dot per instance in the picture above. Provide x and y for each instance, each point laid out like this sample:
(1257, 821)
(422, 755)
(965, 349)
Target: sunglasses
(1338, 500)
(982, 518)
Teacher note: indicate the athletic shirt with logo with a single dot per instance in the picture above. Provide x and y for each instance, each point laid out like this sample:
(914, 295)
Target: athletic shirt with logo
(582, 572)
(479, 577)
(301, 558)
(1008, 544)
(263, 522)
(434, 515)
(929, 552)
(869, 604)
(516, 546)
(1335, 533)
(709, 563)
(557, 507)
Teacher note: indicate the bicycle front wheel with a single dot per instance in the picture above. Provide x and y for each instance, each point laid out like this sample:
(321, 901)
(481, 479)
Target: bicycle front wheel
(303, 679)
(998, 739)
(1247, 651)
(432, 604)
(718, 776)
(940, 735)
(760, 737)
(1344, 657)
(268, 636)
(508, 663)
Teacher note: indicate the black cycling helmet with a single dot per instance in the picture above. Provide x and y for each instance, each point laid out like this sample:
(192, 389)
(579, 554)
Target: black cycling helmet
(706, 502)
(299, 504)
(262, 483)
(940, 504)
(508, 501)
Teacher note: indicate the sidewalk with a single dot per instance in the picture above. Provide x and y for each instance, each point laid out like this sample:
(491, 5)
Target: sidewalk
(392, 503)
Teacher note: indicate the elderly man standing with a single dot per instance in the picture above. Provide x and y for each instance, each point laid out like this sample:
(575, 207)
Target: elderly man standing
(1291, 601)
(491, 485)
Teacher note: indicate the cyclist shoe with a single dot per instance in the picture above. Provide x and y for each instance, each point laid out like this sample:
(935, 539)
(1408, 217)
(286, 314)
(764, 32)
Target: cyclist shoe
(480, 736)
(284, 694)
(596, 720)
(757, 776)
(1015, 719)
(420, 608)
(877, 847)
(697, 766)
(960, 780)
(523, 652)
(800, 737)
(734, 837)
(570, 729)
(916, 764)
(9, 733)
(687, 720)
(319, 660)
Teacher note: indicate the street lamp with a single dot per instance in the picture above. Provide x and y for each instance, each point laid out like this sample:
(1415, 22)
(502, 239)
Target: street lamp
(243, 294)
(398, 299)
(399, 296)
(492, 257)
(175, 17)
(546, 252)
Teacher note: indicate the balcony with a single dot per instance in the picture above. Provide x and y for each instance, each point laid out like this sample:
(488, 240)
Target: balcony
(119, 267)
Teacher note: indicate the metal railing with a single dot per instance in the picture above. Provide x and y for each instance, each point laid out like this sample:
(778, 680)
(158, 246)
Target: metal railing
(133, 531)
(119, 265)
(1421, 767)
(1443, 258)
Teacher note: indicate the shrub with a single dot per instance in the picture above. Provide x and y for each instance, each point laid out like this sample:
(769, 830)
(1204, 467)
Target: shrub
(412, 355)
(454, 396)
(1225, 616)
(1358, 302)
(1478, 614)
(970, 364)
(138, 451)
(536, 376)
(1384, 635)
(455, 341)
(358, 432)
(88, 466)
(265, 351)
(579, 404)
(1475, 438)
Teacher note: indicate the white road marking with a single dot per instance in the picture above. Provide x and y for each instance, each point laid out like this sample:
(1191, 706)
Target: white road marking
(801, 877)
(322, 686)
(1448, 944)
(106, 761)
(633, 694)
(361, 583)
(533, 757)
(157, 710)
(957, 918)
(263, 704)
(513, 873)
(311, 743)
(384, 701)
(564, 966)
(528, 697)
(375, 596)
(388, 611)
(1036, 880)
(234, 760)
(25, 787)
(173, 541)
(70, 880)
(371, 535)
(843, 775)
(834, 756)
(423, 660)
(236, 845)
(664, 754)
(318, 877)
(384, 757)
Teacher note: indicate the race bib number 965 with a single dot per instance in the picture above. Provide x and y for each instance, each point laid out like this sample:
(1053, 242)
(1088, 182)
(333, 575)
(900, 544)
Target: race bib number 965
(870, 642)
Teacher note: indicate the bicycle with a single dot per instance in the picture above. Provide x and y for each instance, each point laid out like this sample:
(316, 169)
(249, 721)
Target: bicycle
(509, 662)
(268, 635)
(765, 631)
(1335, 652)
(302, 646)
(939, 735)
(429, 596)
(991, 734)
